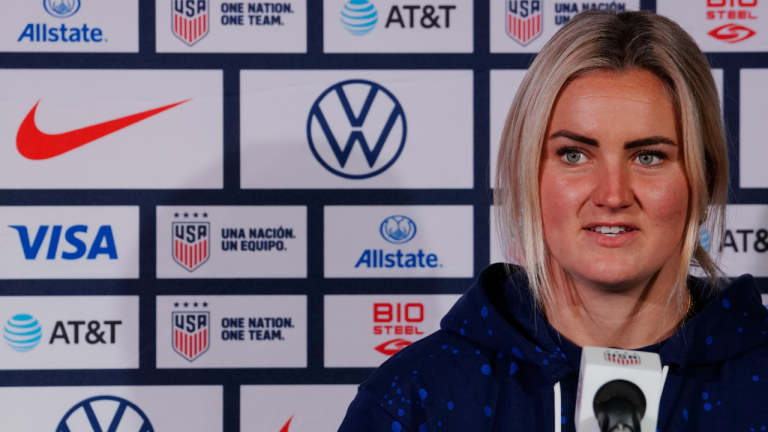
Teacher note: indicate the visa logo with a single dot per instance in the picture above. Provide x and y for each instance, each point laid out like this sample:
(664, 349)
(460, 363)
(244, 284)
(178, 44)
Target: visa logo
(103, 243)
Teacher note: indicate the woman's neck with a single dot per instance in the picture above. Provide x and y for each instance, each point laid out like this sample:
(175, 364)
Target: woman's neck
(628, 317)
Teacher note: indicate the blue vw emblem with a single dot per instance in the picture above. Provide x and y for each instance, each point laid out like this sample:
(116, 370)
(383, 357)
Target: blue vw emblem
(124, 415)
(398, 229)
(61, 8)
(380, 120)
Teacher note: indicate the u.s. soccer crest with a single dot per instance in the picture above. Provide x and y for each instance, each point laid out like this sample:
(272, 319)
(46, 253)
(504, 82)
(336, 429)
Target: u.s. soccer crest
(190, 20)
(523, 20)
(191, 333)
(191, 244)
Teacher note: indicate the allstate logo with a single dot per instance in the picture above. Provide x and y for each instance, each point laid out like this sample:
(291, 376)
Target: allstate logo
(22, 332)
(112, 414)
(379, 120)
(398, 229)
(359, 17)
(61, 8)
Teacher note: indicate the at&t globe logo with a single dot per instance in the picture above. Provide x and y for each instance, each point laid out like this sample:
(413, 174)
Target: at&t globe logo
(356, 113)
(359, 17)
(22, 332)
(105, 413)
(398, 229)
(61, 8)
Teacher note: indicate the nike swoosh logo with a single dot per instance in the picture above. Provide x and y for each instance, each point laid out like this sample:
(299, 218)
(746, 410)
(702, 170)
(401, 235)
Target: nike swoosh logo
(285, 428)
(36, 145)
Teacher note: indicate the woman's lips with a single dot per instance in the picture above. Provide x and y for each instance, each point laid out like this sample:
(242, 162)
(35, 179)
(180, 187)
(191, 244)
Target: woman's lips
(622, 236)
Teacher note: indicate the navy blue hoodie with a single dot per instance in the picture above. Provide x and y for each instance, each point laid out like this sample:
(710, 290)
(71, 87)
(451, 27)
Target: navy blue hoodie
(495, 361)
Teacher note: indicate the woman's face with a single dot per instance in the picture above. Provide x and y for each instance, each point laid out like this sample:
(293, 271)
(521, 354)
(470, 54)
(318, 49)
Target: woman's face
(614, 193)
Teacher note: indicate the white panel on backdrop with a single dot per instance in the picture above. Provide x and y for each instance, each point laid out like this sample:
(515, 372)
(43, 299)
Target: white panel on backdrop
(110, 129)
(137, 408)
(496, 253)
(745, 242)
(720, 25)
(294, 408)
(231, 242)
(391, 26)
(504, 85)
(356, 129)
(366, 330)
(60, 242)
(256, 331)
(70, 26)
(219, 26)
(74, 332)
(753, 143)
(398, 241)
(524, 26)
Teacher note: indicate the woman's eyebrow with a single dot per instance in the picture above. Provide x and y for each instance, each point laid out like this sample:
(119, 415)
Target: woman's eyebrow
(627, 146)
(649, 141)
(575, 137)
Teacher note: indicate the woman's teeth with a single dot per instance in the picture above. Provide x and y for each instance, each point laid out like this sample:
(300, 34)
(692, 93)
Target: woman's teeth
(611, 231)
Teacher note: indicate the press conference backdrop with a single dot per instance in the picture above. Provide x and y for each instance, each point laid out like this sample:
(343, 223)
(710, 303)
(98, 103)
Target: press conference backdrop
(222, 215)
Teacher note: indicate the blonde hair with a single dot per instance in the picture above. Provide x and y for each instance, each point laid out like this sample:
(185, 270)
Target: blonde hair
(604, 41)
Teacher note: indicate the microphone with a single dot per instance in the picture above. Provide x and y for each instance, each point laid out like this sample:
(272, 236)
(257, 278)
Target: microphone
(619, 391)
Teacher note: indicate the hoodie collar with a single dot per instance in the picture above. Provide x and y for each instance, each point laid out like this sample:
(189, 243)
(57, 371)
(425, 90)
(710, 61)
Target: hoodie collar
(498, 312)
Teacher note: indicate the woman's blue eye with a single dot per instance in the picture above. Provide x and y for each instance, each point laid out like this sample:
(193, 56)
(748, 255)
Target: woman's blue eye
(573, 157)
(648, 159)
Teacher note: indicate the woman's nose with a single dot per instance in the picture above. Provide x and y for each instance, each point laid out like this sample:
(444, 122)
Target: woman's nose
(612, 188)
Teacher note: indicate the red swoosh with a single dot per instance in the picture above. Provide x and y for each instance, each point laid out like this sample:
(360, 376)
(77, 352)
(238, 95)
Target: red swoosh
(36, 145)
(285, 428)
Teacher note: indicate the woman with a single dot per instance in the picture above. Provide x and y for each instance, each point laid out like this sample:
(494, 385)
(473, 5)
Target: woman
(613, 158)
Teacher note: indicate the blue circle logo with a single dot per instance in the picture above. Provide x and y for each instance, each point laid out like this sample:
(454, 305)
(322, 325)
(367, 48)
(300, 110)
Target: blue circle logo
(376, 124)
(61, 8)
(398, 229)
(359, 17)
(121, 408)
(22, 332)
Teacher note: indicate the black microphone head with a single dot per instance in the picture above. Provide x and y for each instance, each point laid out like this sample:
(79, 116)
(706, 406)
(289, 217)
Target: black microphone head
(619, 406)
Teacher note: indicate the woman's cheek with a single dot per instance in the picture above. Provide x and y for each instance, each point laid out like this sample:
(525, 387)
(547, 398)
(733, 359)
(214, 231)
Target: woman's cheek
(664, 202)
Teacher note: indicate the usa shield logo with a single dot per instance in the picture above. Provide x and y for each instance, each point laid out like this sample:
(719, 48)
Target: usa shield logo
(190, 20)
(191, 333)
(523, 20)
(191, 245)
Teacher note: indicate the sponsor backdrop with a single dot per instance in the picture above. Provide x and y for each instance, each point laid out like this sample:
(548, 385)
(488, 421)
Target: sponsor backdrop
(222, 215)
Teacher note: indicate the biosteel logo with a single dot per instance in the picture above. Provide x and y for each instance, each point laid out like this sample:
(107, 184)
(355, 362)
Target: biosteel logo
(396, 319)
(732, 10)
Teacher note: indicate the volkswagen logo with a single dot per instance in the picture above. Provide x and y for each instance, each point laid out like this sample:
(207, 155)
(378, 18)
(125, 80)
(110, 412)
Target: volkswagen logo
(61, 8)
(356, 129)
(398, 229)
(124, 416)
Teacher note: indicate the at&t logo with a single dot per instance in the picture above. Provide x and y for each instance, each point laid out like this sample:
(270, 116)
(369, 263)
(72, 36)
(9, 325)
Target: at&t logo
(22, 332)
(359, 17)
(114, 414)
(61, 8)
(378, 126)
(398, 229)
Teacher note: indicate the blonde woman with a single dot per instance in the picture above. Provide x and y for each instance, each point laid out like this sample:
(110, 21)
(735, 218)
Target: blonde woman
(612, 160)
